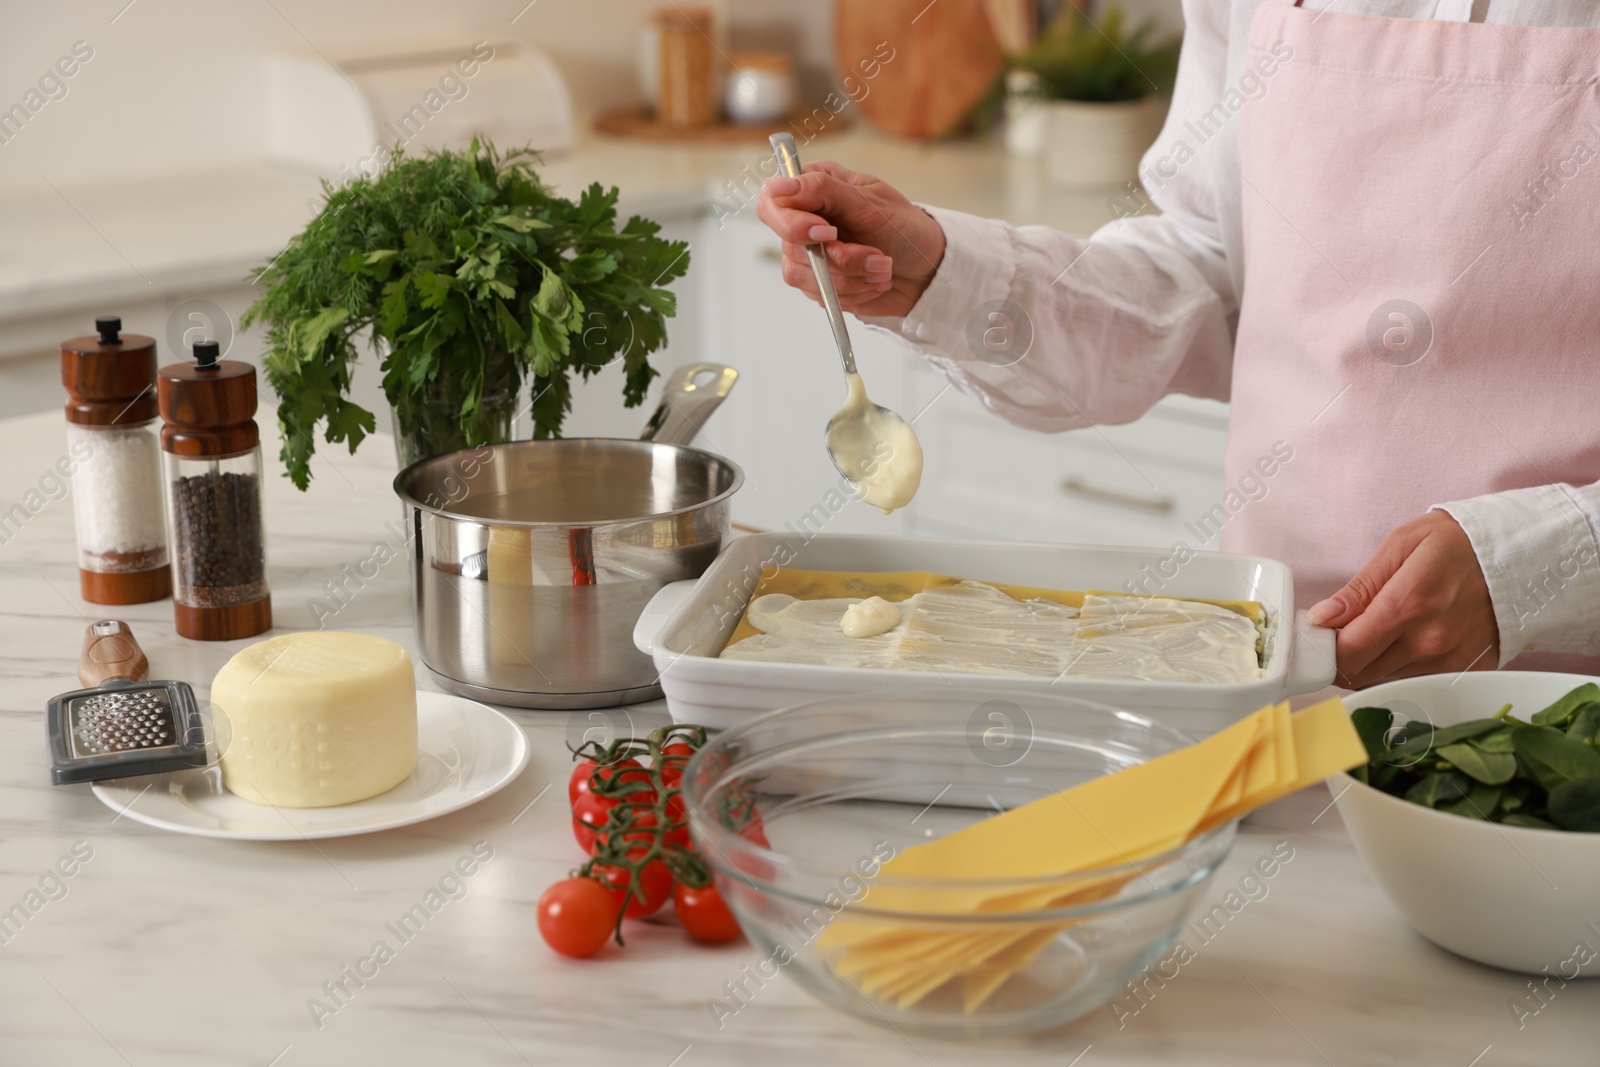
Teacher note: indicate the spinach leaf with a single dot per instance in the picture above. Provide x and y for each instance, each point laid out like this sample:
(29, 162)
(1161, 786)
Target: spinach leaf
(1562, 711)
(1575, 805)
(1412, 730)
(1490, 768)
(1417, 747)
(1515, 794)
(1566, 758)
(1463, 731)
(1586, 724)
(1543, 778)
(1372, 726)
(1440, 787)
(1385, 776)
(1495, 740)
(1478, 804)
(1544, 774)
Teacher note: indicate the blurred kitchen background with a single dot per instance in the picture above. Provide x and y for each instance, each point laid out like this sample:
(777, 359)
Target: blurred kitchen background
(152, 152)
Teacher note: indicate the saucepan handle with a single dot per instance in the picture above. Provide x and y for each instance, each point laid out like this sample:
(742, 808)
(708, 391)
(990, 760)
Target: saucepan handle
(691, 394)
(1311, 665)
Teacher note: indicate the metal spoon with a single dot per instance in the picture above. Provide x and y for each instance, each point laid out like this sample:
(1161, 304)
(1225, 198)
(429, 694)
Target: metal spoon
(788, 157)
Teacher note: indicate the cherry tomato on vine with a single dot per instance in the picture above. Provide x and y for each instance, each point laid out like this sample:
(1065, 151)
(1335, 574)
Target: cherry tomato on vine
(641, 832)
(655, 885)
(627, 770)
(589, 813)
(576, 915)
(579, 782)
(704, 914)
(673, 759)
(678, 834)
(634, 773)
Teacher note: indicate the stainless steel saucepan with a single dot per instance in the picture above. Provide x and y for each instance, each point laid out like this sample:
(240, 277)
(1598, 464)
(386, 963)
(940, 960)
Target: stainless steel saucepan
(531, 561)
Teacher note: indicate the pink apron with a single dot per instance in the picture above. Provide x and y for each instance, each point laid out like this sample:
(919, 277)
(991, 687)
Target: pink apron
(1421, 213)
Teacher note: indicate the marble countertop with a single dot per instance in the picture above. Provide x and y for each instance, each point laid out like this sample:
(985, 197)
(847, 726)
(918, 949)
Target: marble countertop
(78, 242)
(175, 951)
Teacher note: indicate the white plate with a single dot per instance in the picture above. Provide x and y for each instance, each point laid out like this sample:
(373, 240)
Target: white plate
(465, 752)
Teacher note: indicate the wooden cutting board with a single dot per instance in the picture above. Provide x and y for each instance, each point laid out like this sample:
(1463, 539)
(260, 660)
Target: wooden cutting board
(945, 58)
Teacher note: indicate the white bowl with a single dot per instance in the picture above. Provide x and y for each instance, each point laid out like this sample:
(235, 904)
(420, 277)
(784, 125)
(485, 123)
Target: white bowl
(1508, 896)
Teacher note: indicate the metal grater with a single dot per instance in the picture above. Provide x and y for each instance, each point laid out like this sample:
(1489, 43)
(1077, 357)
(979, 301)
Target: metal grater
(121, 722)
(123, 727)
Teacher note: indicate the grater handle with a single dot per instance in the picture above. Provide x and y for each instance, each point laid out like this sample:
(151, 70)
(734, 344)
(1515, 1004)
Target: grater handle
(110, 651)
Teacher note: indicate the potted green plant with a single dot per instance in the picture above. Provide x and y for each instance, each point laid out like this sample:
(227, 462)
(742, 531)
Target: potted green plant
(1097, 91)
(468, 277)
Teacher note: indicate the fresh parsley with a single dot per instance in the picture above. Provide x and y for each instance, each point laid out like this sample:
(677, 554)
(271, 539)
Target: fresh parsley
(471, 276)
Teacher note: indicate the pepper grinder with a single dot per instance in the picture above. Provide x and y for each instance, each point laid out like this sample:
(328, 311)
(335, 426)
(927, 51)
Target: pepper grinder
(213, 470)
(115, 460)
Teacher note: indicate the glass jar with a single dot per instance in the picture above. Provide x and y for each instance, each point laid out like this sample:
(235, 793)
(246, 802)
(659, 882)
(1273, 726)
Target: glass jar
(219, 547)
(114, 461)
(212, 450)
(117, 502)
(437, 426)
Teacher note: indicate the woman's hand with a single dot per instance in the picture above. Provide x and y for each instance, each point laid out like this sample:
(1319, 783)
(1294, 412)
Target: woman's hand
(1420, 605)
(882, 249)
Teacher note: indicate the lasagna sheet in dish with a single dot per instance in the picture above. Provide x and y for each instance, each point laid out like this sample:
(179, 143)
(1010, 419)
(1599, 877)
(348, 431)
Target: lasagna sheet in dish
(967, 626)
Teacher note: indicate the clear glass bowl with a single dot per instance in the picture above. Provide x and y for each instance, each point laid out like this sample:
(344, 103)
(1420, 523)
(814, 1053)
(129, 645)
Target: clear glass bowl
(842, 784)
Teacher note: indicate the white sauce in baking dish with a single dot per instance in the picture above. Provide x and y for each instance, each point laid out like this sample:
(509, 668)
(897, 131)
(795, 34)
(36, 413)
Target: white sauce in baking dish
(975, 628)
(869, 618)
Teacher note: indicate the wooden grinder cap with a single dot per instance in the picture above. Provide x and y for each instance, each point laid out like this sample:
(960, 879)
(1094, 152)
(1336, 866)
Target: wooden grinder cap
(109, 377)
(209, 405)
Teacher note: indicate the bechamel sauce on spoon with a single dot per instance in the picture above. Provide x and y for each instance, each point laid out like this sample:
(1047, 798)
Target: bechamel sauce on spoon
(880, 451)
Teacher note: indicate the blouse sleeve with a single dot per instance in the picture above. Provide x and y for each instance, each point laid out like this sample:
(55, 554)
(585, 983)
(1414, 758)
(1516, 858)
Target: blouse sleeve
(1055, 332)
(1540, 555)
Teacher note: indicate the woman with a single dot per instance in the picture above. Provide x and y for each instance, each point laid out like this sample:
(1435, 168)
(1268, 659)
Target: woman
(1379, 240)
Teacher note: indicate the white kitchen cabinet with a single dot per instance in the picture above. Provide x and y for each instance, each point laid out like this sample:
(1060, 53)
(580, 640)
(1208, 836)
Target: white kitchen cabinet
(1147, 483)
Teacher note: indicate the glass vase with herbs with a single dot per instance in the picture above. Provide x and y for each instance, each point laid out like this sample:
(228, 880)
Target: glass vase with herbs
(471, 280)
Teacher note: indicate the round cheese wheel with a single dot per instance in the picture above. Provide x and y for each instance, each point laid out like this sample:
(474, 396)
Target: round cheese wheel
(317, 719)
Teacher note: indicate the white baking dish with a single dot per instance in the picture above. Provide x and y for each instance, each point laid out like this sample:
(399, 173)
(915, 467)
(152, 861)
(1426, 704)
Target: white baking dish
(688, 623)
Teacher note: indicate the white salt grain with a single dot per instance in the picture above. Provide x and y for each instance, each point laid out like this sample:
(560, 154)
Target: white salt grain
(117, 495)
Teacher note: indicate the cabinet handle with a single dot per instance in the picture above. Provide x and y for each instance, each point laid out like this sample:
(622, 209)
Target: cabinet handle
(1160, 505)
(771, 254)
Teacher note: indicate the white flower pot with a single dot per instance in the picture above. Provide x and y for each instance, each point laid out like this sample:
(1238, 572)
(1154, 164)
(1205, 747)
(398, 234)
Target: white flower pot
(1094, 146)
(1024, 115)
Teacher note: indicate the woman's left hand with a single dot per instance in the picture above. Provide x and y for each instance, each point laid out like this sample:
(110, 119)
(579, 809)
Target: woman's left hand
(1420, 605)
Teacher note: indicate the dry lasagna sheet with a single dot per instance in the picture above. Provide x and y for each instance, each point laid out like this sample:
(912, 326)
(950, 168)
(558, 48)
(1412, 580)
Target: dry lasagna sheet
(958, 624)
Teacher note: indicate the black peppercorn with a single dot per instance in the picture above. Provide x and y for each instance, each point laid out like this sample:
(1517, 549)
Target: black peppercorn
(217, 529)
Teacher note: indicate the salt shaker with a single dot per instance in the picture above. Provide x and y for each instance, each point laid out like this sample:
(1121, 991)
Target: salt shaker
(114, 460)
(213, 474)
